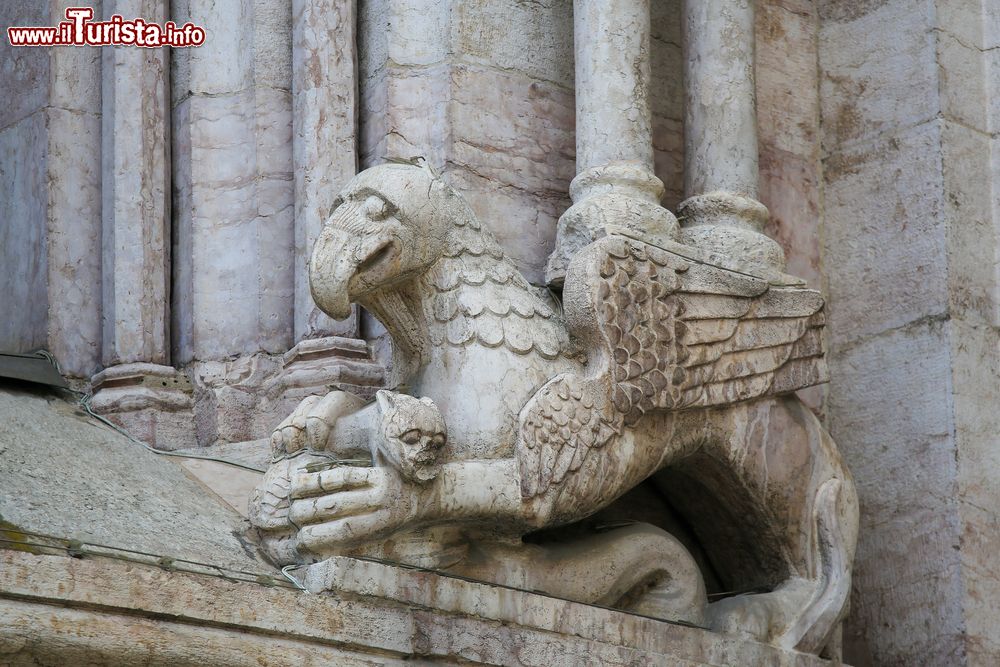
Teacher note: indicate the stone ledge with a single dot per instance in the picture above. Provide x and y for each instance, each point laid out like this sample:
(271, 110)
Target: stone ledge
(107, 612)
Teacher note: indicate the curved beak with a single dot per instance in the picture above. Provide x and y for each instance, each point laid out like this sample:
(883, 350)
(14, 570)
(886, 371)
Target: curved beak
(334, 263)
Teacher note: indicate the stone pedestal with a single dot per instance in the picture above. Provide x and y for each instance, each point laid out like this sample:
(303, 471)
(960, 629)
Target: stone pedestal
(150, 401)
(101, 610)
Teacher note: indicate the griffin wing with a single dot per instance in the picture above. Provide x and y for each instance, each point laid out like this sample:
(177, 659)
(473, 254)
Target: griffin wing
(682, 334)
(559, 426)
(663, 332)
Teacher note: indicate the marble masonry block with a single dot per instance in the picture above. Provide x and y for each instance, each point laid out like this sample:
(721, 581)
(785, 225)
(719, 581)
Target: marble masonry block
(611, 636)
(789, 187)
(272, 35)
(870, 91)
(889, 410)
(325, 138)
(787, 78)
(876, 194)
(534, 39)
(975, 356)
(972, 236)
(135, 206)
(224, 64)
(151, 402)
(963, 82)
(234, 223)
(21, 69)
(59, 608)
(73, 238)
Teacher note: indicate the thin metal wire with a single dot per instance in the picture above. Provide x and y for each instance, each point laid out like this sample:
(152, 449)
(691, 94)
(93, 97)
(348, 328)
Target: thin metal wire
(298, 584)
(84, 402)
(79, 548)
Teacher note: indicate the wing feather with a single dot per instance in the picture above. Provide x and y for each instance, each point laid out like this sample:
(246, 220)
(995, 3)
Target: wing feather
(683, 334)
(559, 426)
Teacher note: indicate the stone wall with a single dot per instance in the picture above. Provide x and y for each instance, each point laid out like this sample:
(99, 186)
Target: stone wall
(909, 158)
(878, 159)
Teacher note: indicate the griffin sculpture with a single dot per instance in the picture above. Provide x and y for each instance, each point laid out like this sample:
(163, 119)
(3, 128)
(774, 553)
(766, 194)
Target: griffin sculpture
(660, 374)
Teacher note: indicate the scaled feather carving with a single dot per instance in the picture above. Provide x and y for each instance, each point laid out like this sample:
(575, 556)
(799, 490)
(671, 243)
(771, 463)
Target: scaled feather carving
(666, 333)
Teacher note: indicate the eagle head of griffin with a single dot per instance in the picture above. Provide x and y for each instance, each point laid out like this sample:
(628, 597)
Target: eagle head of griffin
(390, 223)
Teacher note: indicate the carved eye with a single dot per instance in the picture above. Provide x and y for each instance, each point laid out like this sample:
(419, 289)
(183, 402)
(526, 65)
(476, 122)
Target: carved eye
(376, 208)
(411, 437)
(437, 441)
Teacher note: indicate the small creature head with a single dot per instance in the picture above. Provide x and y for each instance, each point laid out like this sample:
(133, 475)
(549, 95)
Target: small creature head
(412, 434)
(389, 223)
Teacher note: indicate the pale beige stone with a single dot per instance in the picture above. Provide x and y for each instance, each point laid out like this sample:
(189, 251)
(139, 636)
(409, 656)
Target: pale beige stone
(380, 617)
(509, 457)
(135, 197)
(324, 142)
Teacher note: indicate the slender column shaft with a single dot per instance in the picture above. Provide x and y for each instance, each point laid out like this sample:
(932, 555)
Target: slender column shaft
(720, 118)
(615, 186)
(69, 182)
(721, 213)
(233, 191)
(613, 116)
(135, 196)
(324, 123)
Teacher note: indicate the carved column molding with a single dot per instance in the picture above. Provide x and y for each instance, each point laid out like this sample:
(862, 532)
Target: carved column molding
(615, 184)
(138, 387)
(324, 140)
(721, 213)
(135, 178)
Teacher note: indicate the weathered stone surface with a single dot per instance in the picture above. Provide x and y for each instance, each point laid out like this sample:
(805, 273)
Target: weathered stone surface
(23, 199)
(891, 427)
(876, 194)
(907, 135)
(870, 91)
(135, 196)
(324, 143)
(232, 168)
(67, 475)
(71, 609)
(515, 434)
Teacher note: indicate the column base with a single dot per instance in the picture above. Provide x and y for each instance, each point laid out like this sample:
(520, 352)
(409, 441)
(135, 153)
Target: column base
(621, 195)
(730, 225)
(244, 399)
(152, 402)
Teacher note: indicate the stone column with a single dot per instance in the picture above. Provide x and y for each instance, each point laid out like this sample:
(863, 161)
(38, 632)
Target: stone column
(137, 388)
(615, 184)
(721, 213)
(327, 353)
(324, 139)
(135, 196)
(50, 202)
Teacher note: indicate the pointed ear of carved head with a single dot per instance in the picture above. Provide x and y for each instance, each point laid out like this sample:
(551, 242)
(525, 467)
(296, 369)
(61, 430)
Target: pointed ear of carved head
(386, 400)
(390, 223)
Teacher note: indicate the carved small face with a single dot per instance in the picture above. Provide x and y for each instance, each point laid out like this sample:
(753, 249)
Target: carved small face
(412, 435)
